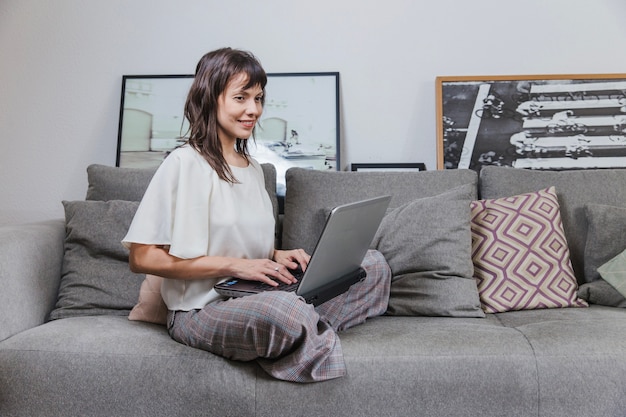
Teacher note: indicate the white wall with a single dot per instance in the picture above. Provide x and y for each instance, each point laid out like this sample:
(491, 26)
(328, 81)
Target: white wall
(61, 64)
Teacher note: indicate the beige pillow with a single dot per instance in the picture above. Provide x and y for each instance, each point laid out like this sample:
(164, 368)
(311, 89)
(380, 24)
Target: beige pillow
(150, 307)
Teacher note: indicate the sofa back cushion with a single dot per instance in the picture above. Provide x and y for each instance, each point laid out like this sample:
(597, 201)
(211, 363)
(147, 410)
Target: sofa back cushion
(312, 194)
(425, 235)
(117, 183)
(575, 189)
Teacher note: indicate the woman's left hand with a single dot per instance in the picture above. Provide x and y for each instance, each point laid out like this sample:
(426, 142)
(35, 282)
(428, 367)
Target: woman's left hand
(292, 258)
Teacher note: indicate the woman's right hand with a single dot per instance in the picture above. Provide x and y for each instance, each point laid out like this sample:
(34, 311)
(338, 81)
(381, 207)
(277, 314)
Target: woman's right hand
(263, 270)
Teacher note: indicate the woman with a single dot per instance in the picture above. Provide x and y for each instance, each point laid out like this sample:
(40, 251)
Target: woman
(206, 216)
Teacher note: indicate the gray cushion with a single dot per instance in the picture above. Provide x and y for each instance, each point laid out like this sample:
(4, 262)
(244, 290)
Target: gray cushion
(310, 193)
(575, 189)
(606, 237)
(117, 183)
(96, 278)
(427, 244)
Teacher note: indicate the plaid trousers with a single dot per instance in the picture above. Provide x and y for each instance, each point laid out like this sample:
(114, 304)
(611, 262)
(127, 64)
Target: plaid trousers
(290, 339)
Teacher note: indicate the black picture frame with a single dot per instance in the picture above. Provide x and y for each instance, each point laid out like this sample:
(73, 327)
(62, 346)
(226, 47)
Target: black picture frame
(299, 127)
(402, 166)
(544, 122)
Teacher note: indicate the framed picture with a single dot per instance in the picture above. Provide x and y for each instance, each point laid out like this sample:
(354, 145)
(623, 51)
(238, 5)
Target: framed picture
(409, 166)
(299, 125)
(550, 122)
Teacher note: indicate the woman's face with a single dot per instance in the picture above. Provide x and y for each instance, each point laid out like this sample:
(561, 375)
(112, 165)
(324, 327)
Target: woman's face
(238, 109)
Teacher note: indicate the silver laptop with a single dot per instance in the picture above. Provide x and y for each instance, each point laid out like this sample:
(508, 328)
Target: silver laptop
(335, 264)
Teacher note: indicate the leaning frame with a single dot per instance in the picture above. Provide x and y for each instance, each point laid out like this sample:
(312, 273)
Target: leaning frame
(551, 122)
(299, 126)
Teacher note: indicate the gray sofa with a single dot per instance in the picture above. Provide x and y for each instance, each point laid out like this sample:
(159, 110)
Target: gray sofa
(67, 347)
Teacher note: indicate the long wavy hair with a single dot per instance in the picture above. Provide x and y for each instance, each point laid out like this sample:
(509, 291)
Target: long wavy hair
(213, 73)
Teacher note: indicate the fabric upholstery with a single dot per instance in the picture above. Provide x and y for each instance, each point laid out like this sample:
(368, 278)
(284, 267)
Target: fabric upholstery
(310, 193)
(606, 237)
(110, 366)
(96, 278)
(427, 243)
(31, 258)
(117, 183)
(575, 189)
(520, 254)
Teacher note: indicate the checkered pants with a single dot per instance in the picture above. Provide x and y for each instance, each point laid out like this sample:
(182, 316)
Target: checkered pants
(290, 339)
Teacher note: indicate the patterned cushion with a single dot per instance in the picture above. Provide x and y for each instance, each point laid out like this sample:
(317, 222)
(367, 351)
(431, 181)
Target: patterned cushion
(521, 258)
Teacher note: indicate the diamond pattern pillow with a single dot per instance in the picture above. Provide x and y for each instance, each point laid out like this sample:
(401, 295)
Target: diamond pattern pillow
(520, 255)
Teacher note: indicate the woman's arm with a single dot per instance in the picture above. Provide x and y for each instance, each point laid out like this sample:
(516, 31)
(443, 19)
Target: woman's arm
(156, 260)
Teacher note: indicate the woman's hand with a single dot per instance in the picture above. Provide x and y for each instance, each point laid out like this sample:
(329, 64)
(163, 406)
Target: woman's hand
(270, 271)
(292, 258)
(264, 270)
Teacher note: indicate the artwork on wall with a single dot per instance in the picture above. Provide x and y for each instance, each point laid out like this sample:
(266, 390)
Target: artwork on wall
(550, 122)
(403, 166)
(299, 126)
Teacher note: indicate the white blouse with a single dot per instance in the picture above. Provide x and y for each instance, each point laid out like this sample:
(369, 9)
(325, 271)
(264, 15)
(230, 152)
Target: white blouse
(190, 209)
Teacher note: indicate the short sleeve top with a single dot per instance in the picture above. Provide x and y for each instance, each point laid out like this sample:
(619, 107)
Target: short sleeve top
(190, 209)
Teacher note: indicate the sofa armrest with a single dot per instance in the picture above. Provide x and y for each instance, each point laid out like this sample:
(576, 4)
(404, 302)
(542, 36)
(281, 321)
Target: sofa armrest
(31, 259)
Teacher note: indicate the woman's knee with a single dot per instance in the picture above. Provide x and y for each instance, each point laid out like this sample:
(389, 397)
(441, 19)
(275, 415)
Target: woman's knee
(285, 309)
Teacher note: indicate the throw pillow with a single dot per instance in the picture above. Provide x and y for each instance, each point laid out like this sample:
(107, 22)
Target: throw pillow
(427, 244)
(150, 307)
(520, 254)
(614, 272)
(606, 237)
(602, 293)
(96, 279)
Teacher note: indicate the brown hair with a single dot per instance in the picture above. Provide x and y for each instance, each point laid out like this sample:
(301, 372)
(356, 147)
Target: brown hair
(213, 72)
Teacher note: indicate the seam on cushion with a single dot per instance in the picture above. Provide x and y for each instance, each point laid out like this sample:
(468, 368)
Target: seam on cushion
(532, 348)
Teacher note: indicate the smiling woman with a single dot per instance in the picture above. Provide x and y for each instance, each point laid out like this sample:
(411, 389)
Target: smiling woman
(206, 217)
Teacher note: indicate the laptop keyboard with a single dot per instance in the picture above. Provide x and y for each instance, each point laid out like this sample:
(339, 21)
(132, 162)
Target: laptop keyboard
(281, 287)
(297, 273)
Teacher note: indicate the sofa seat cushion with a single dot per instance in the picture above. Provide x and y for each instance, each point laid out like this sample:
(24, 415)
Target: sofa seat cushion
(575, 189)
(426, 366)
(581, 358)
(83, 365)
